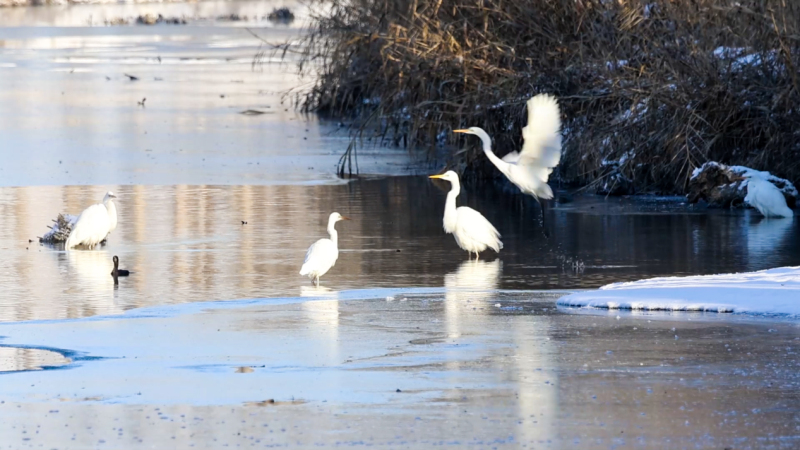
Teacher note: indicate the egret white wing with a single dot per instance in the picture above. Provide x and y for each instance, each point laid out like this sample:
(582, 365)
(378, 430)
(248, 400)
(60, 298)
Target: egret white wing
(321, 256)
(112, 216)
(472, 225)
(530, 168)
(511, 157)
(91, 227)
(542, 134)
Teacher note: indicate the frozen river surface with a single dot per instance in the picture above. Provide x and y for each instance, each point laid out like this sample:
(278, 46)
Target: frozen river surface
(215, 340)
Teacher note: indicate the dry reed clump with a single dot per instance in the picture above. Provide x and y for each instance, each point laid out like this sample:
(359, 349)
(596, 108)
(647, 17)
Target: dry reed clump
(62, 227)
(60, 230)
(649, 90)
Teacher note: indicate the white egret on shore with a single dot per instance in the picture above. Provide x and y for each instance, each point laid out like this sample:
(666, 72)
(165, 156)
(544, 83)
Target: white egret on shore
(766, 197)
(322, 255)
(93, 225)
(541, 149)
(472, 231)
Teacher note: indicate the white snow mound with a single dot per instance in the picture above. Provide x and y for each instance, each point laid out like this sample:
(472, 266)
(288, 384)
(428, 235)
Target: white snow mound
(773, 291)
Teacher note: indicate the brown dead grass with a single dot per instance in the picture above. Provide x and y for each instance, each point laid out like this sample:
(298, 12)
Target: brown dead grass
(644, 96)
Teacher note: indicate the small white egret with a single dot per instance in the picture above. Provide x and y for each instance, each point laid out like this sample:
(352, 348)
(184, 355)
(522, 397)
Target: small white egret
(472, 231)
(322, 255)
(766, 197)
(541, 148)
(92, 226)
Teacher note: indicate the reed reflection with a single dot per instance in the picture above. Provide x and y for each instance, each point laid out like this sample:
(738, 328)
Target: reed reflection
(188, 243)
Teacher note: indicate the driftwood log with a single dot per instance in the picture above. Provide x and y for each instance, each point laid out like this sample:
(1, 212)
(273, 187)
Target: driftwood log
(60, 230)
(722, 186)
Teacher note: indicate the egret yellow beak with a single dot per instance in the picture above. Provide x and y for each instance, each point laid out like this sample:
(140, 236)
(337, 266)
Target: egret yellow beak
(435, 176)
(345, 218)
(461, 131)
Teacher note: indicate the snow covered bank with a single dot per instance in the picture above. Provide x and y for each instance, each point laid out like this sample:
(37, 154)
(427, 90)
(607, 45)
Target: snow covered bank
(724, 186)
(773, 291)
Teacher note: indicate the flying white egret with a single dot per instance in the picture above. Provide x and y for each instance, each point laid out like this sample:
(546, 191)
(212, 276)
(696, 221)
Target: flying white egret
(322, 255)
(766, 197)
(541, 149)
(92, 226)
(472, 231)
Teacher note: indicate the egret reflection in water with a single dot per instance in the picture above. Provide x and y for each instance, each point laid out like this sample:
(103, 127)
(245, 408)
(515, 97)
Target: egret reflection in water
(93, 286)
(317, 291)
(470, 287)
(474, 277)
(172, 239)
(766, 237)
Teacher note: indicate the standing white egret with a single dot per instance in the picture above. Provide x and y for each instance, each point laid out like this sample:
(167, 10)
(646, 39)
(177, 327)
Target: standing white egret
(92, 226)
(766, 197)
(541, 149)
(472, 231)
(322, 255)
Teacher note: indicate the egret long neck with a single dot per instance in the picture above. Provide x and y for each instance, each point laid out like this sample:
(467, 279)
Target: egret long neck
(111, 207)
(487, 149)
(332, 232)
(450, 213)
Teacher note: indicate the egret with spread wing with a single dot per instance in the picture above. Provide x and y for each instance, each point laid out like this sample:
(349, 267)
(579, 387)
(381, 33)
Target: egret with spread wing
(322, 255)
(541, 150)
(472, 231)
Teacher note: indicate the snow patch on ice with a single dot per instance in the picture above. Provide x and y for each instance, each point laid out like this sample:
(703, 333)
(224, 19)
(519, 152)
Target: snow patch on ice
(773, 291)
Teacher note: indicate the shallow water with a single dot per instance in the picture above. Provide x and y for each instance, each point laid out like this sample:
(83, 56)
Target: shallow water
(70, 116)
(407, 344)
(187, 243)
(16, 359)
(189, 168)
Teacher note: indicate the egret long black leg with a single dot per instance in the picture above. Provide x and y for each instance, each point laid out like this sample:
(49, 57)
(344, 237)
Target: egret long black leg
(543, 205)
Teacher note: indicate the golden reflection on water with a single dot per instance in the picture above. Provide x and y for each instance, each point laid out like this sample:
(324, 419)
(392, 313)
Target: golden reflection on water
(97, 14)
(182, 243)
(187, 243)
(13, 359)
